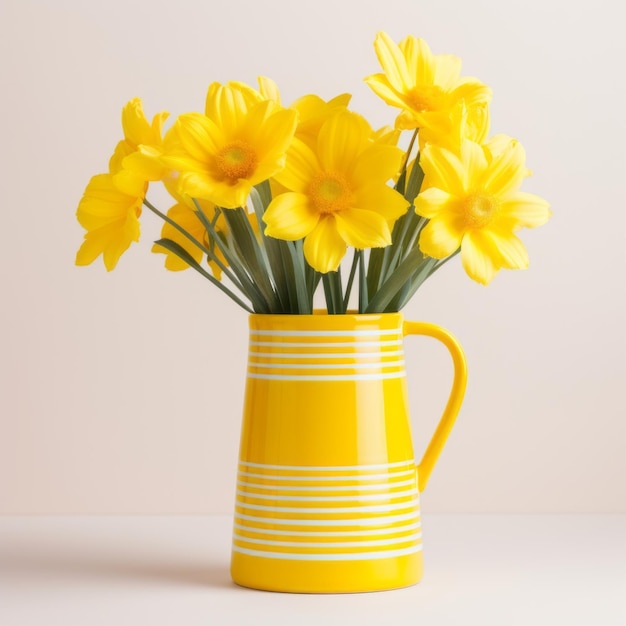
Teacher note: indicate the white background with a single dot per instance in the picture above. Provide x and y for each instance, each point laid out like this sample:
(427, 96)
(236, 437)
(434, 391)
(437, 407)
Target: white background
(121, 392)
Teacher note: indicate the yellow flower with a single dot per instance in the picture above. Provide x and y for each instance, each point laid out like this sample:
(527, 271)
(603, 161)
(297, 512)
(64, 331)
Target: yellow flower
(111, 204)
(462, 123)
(313, 112)
(338, 193)
(109, 210)
(141, 147)
(425, 86)
(239, 143)
(474, 202)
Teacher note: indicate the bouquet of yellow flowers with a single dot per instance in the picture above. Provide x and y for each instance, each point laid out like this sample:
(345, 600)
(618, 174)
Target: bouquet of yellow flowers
(268, 198)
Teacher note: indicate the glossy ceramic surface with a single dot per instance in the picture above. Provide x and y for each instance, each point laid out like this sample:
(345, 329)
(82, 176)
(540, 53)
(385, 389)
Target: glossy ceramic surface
(328, 488)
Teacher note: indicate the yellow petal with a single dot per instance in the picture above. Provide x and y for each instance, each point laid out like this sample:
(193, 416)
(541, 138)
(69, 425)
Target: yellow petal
(420, 60)
(377, 163)
(324, 247)
(519, 209)
(475, 163)
(341, 140)
(444, 169)
(433, 201)
(381, 199)
(301, 167)
(290, 216)
(199, 136)
(134, 123)
(480, 257)
(392, 61)
(506, 170)
(269, 131)
(472, 91)
(363, 229)
(442, 236)
(269, 89)
(130, 183)
(381, 87)
(146, 163)
(513, 254)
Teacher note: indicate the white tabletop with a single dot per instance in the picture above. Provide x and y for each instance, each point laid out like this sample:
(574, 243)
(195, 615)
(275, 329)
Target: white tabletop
(151, 571)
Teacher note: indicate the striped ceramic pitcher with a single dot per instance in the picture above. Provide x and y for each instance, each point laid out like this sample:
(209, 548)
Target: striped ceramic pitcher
(328, 488)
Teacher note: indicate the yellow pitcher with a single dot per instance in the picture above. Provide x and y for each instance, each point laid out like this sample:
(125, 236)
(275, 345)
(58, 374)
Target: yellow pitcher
(328, 488)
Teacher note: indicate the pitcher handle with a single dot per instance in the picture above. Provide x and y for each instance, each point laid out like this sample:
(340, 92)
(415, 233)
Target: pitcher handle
(425, 467)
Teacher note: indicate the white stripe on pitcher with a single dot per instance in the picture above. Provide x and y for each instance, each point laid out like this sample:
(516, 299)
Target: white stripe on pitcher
(369, 508)
(330, 468)
(326, 366)
(331, 544)
(359, 521)
(326, 333)
(360, 498)
(323, 355)
(394, 530)
(401, 374)
(384, 486)
(350, 556)
(339, 344)
(341, 479)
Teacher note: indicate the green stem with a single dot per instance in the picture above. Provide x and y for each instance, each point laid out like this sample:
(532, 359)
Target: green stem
(355, 261)
(249, 288)
(181, 253)
(363, 291)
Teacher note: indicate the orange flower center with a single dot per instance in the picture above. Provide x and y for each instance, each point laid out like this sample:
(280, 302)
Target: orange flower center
(425, 98)
(330, 193)
(236, 160)
(479, 209)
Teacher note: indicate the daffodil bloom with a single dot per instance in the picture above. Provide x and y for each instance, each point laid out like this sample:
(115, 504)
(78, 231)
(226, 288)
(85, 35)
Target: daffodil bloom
(338, 193)
(141, 147)
(111, 204)
(238, 143)
(474, 203)
(426, 87)
(109, 210)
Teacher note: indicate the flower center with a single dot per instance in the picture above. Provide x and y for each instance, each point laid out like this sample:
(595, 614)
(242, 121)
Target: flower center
(330, 193)
(236, 160)
(425, 98)
(479, 208)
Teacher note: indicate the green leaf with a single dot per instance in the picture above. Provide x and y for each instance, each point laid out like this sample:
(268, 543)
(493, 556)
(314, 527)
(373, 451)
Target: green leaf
(410, 269)
(182, 254)
(415, 182)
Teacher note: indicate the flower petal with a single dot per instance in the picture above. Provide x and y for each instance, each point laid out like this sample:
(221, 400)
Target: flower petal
(378, 163)
(419, 60)
(341, 140)
(479, 257)
(363, 229)
(269, 89)
(513, 254)
(475, 163)
(290, 216)
(506, 170)
(324, 248)
(381, 87)
(433, 201)
(382, 199)
(444, 169)
(520, 209)
(301, 167)
(442, 236)
(199, 136)
(392, 61)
